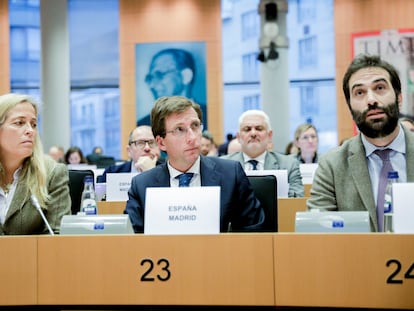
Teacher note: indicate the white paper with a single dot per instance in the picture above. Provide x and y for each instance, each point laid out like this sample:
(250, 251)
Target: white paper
(182, 210)
(403, 205)
(281, 177)
(117, 186)
(307, 170)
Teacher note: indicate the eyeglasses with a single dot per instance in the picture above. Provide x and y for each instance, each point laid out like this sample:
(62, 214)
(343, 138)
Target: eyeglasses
(141, 143)
(306, 137)
(157, 76)
(181, 131)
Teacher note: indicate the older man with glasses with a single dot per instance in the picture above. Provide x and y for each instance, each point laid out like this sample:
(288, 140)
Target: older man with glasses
(177, 128)
(142, 150)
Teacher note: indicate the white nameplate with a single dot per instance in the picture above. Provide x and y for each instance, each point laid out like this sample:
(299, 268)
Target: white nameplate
(307, 170)
(281, 177)
(402, 196)
(117, 186)
(185, 210)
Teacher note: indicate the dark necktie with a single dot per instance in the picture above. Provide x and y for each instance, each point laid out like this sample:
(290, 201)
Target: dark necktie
(254, 164)
(184, 179)
(386, 167)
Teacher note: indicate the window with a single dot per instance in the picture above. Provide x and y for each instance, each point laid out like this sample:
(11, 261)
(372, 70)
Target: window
(309, 101)
(250, 23)
(308, 52)
(251, 102)
(250, 67)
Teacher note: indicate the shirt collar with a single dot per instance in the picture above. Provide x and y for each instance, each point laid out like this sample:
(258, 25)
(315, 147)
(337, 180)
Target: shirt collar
(193, 169)
(398, 144)
(260, 158)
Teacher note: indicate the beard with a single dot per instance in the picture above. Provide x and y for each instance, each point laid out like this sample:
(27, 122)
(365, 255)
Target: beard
(377, 128)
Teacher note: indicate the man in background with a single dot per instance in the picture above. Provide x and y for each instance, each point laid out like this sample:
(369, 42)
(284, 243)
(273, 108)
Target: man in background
(171, 72)
(255, 135)
(57, 153)
(142, 150)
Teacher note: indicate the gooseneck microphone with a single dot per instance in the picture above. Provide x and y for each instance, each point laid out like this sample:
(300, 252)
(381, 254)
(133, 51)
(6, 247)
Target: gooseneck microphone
(37, 205)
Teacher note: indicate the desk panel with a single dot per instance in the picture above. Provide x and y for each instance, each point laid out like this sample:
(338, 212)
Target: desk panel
(116, 207)
(226, 269)
(18, 270)
(344, 270)
(286, 209)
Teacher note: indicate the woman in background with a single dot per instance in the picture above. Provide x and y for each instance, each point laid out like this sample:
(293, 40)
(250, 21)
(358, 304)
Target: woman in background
(25, 172)
(74, 155)
(306, 139)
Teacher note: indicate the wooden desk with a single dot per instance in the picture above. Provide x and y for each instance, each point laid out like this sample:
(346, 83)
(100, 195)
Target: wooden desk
(187, 270)
(371, 270)
(117, 207)
(286, 212)
(18, 270)
(344, 270)
(307, 188)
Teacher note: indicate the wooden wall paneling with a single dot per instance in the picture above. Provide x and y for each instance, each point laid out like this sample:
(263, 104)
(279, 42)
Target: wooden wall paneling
(4, 47)
(354, 16)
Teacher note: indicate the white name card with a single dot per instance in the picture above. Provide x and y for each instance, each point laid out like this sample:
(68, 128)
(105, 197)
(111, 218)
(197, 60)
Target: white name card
(402, 196)
(117, 186)
(185, 210)
(281, 177)
(307, 170)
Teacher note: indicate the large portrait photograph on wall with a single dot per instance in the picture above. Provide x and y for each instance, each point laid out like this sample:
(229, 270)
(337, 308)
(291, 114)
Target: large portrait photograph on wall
(167, 69)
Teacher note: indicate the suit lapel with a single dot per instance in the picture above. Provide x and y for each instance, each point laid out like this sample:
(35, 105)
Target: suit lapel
(208, 173)
(409, 155)
(271, 162)
(19, 199)
(357, 163)
(162, 178)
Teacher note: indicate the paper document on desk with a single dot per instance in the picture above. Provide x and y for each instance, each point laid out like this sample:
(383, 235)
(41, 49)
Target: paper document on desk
(182, 210)
(281, 177)
(402, 196)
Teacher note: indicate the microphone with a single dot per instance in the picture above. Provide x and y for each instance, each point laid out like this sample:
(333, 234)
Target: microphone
(37, 205)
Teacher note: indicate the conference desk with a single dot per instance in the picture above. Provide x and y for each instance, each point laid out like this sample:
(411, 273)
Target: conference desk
(286, 211)
(264, 270)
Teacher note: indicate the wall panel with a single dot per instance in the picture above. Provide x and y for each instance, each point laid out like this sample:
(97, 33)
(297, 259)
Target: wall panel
(4, 48)
(354, 16)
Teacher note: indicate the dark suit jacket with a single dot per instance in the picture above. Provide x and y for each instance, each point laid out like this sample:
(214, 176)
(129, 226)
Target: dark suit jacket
(121, 168)
(238, 203)
(23, 218)
(342, 181)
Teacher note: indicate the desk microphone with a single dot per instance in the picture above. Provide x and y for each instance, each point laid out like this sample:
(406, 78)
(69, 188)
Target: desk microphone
(37, 205)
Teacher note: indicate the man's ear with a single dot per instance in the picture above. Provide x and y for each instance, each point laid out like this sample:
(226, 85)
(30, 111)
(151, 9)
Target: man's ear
(187, 75)
(160, 143)
(399, 101)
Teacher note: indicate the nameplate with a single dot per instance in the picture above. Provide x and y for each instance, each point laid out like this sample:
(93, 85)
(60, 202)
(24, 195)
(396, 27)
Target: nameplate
(307, 171)
(281, 177)
(185, 210)
(117, 186)
(402, 194)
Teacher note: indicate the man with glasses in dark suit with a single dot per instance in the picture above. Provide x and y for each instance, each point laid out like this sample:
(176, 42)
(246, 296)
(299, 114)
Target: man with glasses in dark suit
(142, 150)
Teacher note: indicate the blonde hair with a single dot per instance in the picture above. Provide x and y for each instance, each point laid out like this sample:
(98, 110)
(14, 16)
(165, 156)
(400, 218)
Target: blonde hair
(303, 128)
(33, 173)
